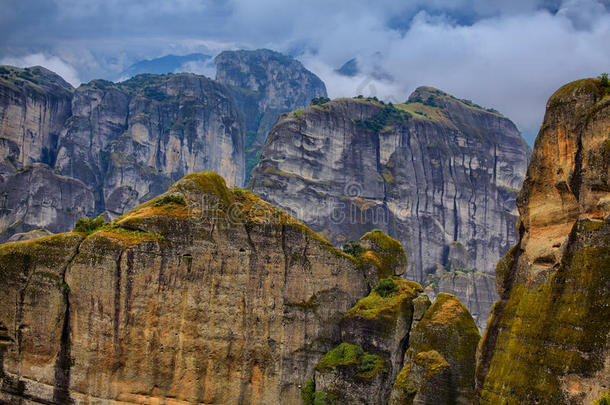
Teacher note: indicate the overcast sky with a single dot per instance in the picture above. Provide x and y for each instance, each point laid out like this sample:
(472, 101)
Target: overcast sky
(509, 55)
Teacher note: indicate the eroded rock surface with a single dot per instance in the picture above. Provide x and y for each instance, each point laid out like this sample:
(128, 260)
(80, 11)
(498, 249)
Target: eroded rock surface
(430, 173)
(265, 84)
(547, 340)
(439, 366)
(183, 300)
(107, 146)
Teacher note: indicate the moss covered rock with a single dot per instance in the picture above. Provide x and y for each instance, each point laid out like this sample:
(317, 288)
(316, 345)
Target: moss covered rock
(168, 303)
(547, 340)
(439, 366)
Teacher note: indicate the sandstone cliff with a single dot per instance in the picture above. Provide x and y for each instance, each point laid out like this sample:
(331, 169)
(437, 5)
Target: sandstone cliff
(432, 172)
(265, 84)
(439, 366)
(202, 295)
(547, 340)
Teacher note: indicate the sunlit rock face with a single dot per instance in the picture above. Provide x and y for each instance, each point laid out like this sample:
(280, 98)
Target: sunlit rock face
(186, 299)
(265, 84)
(547, 340)
(439, 174)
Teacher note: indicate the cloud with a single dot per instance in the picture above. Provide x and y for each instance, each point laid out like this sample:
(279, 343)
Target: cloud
(509, 55)
(52, 63)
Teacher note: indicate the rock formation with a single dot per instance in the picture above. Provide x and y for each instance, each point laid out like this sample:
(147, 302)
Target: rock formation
(116, 145)
(107, 147)
(439, 364)
(433, 172)
(129, 141)
(34, 104)
(202, 295)
(265, 84)
(547, 340)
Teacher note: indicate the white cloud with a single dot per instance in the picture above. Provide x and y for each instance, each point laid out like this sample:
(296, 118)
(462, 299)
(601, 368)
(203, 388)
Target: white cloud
(52, 63)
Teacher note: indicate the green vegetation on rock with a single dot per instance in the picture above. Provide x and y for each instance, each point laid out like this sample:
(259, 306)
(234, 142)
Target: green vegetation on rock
(386, 287)
(376, 306)
(170, 199)
(89, 225)
(383, 252)
(389, 115)
(352, 355)
(353, 248)
(604, 400)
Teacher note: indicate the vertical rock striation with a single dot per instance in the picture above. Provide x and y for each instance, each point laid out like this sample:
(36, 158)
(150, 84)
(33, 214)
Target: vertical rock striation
(547, 340)
(107, 146)
(265, 84)
(202, 295)
(433, 172)
(34, 104)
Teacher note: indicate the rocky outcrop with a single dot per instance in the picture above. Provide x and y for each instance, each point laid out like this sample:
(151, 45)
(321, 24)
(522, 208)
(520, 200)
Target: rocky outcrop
(117, 145)
(439, 366)
(265, 84)
(36, 197)
(131, 140)
(34, 104)
(547, 340)
(431, 172)
(398, 349)
(202, 295)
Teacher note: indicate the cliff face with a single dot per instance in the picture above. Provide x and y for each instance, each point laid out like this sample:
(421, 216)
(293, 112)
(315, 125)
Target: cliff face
(265, 84)
(116, 146)
(547, 340)
(203, 295)
(34, 104)
(439, 366)
(130, 141)
(433, 172)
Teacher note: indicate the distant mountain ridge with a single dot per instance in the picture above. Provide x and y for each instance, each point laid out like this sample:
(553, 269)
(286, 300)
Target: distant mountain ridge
(105, 147)
(164, 64)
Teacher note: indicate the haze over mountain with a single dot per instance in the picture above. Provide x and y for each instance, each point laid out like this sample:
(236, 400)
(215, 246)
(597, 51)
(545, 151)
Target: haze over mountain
(509, 55)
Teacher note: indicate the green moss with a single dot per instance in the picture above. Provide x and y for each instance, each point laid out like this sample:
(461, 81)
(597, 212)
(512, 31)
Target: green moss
(402, 382)
(603, 400)
(591, 226)
(170, 199)
(206, 182)
(298, 113)
(375, 306)
(556, 328)
(352, 355)
(386, 253)
(505, 265)
(388, 177)
(432, 361)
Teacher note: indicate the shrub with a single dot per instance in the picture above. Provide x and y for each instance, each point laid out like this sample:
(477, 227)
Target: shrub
(170, 199)
(386, 287)
(88, 225)
(605, 83)
(308, 392)
(319, 100)
(353, 248)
